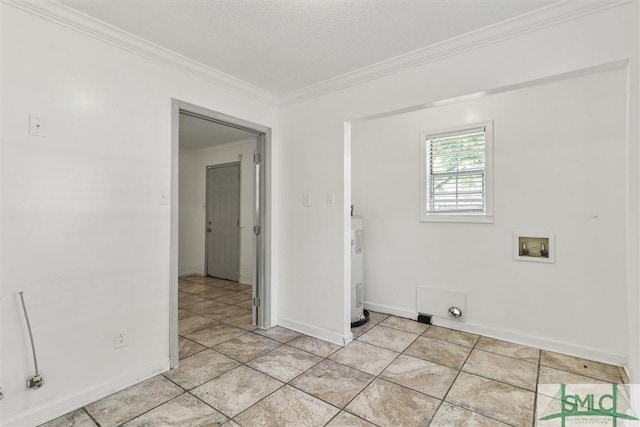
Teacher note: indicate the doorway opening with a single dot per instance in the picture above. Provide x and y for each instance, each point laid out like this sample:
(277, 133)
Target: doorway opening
(220, 206)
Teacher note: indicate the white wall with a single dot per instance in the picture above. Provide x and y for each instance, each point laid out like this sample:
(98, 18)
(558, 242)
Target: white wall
(193, 201)
(83, 233)
(633, 220)
(559, 158)
(84, 237)
(313, 158)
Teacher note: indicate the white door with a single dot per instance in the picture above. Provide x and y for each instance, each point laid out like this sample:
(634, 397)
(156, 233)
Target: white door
(223, 221)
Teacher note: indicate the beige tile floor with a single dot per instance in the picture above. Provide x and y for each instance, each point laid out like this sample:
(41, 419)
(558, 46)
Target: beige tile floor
(396, 372)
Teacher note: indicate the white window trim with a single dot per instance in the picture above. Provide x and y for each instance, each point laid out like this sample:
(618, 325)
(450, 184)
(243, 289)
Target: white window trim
(480, 217)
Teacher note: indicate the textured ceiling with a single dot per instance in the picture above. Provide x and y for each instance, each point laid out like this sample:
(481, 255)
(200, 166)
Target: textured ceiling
(286, 45)
(196, 134)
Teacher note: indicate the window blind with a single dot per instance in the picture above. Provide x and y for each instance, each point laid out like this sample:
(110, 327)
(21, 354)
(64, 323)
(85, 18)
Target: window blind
(456, 172)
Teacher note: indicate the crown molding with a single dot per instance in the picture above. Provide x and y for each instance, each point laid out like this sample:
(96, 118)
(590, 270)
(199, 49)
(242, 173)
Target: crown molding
(551, 15)
(548, 16)
(85, 24)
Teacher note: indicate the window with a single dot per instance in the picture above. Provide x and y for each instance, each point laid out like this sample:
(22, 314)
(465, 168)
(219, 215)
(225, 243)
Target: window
(457, 175)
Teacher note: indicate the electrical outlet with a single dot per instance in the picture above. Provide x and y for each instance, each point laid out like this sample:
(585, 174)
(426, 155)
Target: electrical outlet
(120, 339)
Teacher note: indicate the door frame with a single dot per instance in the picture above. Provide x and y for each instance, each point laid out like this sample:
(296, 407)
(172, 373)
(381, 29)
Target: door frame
(262, 263)
(206, 212)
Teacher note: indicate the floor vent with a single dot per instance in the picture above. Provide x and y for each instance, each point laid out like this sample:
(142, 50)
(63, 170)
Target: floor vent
(424, 318)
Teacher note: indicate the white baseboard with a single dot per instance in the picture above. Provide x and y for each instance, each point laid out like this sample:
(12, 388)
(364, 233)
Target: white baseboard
(506, 335)
(387, 309)
(64, 405)
(246, 280)
(316, 332)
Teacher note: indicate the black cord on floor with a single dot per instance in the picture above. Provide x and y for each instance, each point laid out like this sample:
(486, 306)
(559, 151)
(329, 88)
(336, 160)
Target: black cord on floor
(363, 321)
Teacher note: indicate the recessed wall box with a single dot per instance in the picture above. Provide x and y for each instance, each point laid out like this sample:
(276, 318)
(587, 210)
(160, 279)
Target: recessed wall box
(535, 247)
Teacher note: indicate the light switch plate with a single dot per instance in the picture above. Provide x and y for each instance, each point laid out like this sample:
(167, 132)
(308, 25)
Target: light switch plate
(331, 200)
(306, 200)
(36, 125)
(163, 197)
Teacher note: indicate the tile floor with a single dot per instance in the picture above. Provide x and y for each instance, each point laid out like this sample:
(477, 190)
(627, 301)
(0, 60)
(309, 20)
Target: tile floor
(396, 372)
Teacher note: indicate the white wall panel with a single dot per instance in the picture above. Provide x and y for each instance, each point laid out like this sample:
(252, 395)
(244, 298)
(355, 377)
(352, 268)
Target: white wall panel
(83, 234)
(559, 166)
(313, 282)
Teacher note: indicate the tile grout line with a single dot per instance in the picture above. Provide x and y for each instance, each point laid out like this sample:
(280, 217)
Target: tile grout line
(493, 379)
(196, 397)
(537, 363)
(489, 379)
(84, 408)
(216, 351)
(229, 418)
(211, 347)
(404, 330)
(250, 367)
(327, 358)
(498, 381)
(323, 359)
(506, 355)
(364, 372)
(453, 382)
(151, 409)
(254, 404)
(198, 330)
(305, 370)
(485, 415)
(187, 339)
(341, 410)
(142, 413)
(284, 383)
(376, 377)
(241, 363)
(183, 388)
(535, 397)
(285, 344)
(418, 357)
(384, 348)
(250, 360)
